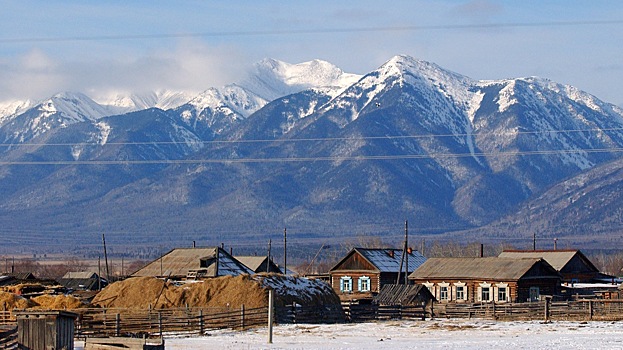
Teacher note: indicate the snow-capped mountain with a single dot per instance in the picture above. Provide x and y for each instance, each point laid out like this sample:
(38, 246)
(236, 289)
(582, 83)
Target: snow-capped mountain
(309, 146)
(271, 78)
(13, 107)
(163, 99)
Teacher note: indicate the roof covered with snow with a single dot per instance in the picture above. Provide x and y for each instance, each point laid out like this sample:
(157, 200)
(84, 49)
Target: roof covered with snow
(178, 262)
(385, 259)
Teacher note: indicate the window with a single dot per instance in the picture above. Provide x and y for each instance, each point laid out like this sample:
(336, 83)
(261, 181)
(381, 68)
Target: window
(534, 294)
(346, 284)
(501, 293)
(443, 293)
(485, 293)
(364, 284)
(460, 292)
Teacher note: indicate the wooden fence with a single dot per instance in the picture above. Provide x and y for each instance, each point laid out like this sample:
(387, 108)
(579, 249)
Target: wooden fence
(8, 338)
(153, 323)
(604, 309)
(372, 312)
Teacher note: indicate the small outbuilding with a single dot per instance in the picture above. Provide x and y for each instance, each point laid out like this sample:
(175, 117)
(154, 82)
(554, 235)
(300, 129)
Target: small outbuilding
(82, 280)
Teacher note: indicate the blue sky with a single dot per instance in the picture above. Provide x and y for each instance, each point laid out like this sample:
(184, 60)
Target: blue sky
(101, 46)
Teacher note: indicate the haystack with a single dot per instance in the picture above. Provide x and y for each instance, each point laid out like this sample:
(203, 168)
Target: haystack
(56, 302)
(227, 291)
(10, 301)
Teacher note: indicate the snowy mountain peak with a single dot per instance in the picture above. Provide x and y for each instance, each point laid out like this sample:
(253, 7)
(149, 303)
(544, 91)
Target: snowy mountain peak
(129, 102)
(272, 78)
(73, 106)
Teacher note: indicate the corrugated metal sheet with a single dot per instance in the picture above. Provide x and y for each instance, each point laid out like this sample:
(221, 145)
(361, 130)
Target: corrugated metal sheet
(557, 258)
(388, 260)
(492, 268)
(178, 262)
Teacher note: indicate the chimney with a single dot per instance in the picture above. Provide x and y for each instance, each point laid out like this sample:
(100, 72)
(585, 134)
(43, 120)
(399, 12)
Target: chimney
(409, 250)
(391, 253)
(482, 249)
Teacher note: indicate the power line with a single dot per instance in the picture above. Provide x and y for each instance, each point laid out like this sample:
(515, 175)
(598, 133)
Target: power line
(313, 159)
(309, 31)
(242, 141)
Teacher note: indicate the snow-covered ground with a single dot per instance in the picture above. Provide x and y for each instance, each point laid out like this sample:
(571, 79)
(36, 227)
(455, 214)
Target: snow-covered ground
(429, 334)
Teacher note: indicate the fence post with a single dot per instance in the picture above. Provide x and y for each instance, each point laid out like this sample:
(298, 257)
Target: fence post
(242, 316)
(547, 309)
(590, 309)
(494, 310)
(160, 323)
(117, 325)
(201, 326)
(271, 301)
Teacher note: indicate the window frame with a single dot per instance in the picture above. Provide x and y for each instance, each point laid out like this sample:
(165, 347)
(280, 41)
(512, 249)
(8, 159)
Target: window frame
(360, 284)
(346, 281)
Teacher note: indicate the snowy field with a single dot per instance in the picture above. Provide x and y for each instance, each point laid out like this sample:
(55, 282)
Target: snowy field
(430, 334)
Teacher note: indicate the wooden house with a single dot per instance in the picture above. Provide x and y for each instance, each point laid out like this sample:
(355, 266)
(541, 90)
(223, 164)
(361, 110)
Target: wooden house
(82, 280)
(259, 264)
(193, 263)
(573, 266)
(363, 271)
(488, 279)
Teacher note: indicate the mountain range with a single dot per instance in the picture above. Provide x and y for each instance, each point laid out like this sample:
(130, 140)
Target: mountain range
(327, 154)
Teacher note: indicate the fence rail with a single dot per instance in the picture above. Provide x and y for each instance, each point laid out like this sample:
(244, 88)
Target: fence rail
(8, 338)
(603, 309)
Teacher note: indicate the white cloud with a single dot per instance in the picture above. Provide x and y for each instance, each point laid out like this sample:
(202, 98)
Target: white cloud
(190, 66)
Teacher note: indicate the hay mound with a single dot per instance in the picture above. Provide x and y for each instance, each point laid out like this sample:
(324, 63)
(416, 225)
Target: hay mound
(57, 302)
(145, 292)
(10, 301)
(227, 291)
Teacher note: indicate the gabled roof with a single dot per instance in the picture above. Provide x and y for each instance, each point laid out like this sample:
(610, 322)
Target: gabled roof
(490, 268)
(557, 258)
(403, 294)
(385, 259)
(258, 263)
(80, 275)
(178, 262)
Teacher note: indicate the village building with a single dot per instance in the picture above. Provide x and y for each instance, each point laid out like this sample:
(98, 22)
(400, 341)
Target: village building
(259, 264)
(491, 279)
(82, 280)
(363, 271)
(573, 266)
(193, 263)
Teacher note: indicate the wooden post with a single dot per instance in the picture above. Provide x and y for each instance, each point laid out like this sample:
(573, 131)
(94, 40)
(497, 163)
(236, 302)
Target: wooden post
(271, 297)
(242, 317)
(201, 326)
(117, 325)
(547, 309)
(590, 309)
(160, 323)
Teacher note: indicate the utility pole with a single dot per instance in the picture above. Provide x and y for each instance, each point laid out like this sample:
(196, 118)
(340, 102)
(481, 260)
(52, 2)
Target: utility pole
(406, 251)
(268, 257)
(106, 259)
(285, 251)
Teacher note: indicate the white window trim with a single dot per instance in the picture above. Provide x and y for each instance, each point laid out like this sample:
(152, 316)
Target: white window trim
(448, 291)
(460, 284)
(497, 294)
(350, 280)
(485, 285)
(364, 278)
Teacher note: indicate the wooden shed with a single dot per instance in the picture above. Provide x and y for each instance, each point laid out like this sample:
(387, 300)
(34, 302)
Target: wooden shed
(45, 329)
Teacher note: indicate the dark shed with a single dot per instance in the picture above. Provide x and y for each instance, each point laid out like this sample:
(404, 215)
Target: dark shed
(45, 329)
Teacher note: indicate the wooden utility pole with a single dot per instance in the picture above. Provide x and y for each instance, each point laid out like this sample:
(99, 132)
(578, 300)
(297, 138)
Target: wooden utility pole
(285, 251)
(268, 257)
(406, 251)
(106, 259)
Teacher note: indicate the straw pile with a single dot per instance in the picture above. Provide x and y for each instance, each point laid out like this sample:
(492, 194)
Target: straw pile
(10, 301)
(227, 291)
(56, 302)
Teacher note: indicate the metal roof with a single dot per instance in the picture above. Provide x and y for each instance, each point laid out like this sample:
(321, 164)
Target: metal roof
(255, 263)
(80, 275)
(386, 259)
(557, 258)
(490, 268)
(178, 262)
